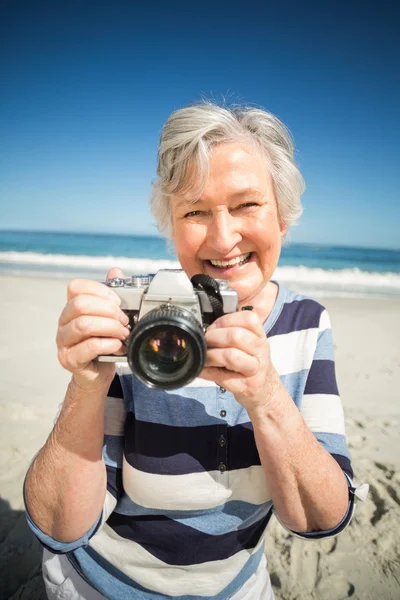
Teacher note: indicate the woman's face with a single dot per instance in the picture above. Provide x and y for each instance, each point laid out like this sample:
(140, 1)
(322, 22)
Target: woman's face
(232, 231)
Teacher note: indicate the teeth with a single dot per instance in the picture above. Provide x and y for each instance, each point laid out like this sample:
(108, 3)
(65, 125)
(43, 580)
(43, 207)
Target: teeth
(230, 263)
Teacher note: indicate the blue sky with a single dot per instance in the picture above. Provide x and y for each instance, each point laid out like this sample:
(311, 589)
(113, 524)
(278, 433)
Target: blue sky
(86, 87)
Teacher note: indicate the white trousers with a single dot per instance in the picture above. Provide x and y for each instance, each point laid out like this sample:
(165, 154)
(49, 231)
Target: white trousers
(64, 583)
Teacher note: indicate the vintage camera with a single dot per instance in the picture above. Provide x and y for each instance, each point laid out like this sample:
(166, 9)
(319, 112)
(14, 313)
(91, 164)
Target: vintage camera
(168, 316)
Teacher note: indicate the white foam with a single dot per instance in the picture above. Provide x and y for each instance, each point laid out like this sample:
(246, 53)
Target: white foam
(132, 266)
(320, 282)
(348, 281)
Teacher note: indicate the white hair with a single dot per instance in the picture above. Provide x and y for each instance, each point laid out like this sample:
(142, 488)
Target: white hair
(188, 138)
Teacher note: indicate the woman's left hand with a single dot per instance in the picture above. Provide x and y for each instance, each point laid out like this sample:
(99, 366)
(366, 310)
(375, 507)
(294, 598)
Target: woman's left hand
(239, 359)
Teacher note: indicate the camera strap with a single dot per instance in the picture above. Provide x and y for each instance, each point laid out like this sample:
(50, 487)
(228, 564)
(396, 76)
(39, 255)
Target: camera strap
(211, 288)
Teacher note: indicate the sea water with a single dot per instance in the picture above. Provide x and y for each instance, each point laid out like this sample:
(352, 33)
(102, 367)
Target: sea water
(309, 268)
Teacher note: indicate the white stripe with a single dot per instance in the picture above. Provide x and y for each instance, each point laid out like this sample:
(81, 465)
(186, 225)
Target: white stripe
(108, 507)
(195, 491)
(293, 352)
(325, 322)
(114, 416)
(122, 368)
(249, 485)
(204, 579)
(323, 413)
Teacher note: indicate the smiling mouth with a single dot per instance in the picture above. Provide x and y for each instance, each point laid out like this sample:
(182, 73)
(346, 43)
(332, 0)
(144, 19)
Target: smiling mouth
(228, 264)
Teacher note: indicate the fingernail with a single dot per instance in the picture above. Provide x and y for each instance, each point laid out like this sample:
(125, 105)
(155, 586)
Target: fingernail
(124, 318)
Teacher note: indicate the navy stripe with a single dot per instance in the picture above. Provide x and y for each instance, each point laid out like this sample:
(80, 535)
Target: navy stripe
(115, 389)
(321, 378)
(167, 539)
(166, 450)
(344, 463)
(114, 481)
(230, 516)
(242, 448)
(297, 316)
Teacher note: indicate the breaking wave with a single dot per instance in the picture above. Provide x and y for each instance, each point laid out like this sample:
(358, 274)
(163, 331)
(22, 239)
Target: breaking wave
(344, 282)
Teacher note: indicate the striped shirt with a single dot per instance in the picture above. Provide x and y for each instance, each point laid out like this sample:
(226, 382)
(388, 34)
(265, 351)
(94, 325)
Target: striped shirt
(187, 502)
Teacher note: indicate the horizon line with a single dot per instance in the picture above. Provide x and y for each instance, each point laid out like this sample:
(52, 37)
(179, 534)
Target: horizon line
(161, 236)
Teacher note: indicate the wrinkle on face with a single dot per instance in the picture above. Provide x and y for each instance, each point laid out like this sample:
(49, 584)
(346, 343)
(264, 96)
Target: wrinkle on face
(223, 225)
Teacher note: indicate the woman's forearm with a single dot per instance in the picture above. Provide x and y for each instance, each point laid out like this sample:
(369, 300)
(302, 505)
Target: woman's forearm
(308, 488)
(66, 484)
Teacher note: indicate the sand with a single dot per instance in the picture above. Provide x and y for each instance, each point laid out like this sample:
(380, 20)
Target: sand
(362, 563)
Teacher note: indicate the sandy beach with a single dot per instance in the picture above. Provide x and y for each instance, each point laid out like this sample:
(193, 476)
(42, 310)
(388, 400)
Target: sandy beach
(362, 563)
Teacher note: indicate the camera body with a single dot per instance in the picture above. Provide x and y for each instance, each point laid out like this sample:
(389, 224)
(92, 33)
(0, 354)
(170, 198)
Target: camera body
(168, 316)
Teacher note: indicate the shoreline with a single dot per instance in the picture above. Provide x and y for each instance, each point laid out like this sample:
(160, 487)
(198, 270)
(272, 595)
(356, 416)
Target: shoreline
(303, 287)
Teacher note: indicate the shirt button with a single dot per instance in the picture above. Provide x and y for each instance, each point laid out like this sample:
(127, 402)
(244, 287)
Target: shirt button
(222, 467)
(222, 390)
(222, 441)
(222, 413)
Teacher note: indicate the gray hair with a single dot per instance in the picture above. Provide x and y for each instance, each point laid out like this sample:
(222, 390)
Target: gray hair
(187, 139)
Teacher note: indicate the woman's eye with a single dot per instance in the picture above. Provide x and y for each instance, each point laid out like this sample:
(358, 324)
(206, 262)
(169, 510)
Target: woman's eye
(198, 213)
(247, 205)
(194, 213)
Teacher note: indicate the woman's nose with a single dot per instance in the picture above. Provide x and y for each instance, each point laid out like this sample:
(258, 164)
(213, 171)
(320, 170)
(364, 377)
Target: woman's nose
(223, 233)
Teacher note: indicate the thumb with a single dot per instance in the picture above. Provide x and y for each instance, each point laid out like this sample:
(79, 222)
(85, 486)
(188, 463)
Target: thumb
(114, 272)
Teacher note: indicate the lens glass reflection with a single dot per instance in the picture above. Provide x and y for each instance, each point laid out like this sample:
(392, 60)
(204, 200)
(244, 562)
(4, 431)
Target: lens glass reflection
(165, 352)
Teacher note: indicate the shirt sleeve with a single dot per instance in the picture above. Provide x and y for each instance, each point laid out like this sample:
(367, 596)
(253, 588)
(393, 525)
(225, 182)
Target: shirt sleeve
(322, 410)
(114, 421)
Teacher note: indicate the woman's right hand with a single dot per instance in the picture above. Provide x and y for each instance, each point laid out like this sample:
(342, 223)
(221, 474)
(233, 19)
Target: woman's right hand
(92, 323)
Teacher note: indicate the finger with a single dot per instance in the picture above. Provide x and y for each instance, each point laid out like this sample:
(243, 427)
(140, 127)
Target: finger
(84, 304)
(233, 360)
(88, 326)
(79, 356)
(122, 351)
(114, 272)
(233, 382)
(94, 288)
(235, 337)
(246, 319)
(220, 374)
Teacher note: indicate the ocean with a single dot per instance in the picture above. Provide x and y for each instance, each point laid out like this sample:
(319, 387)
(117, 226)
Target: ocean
(318, 270)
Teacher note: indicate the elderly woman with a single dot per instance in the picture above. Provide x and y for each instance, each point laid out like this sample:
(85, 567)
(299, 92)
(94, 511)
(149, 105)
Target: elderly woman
(147, 493)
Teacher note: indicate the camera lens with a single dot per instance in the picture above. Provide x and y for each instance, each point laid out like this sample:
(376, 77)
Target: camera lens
(167, 348)
(165, 352)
